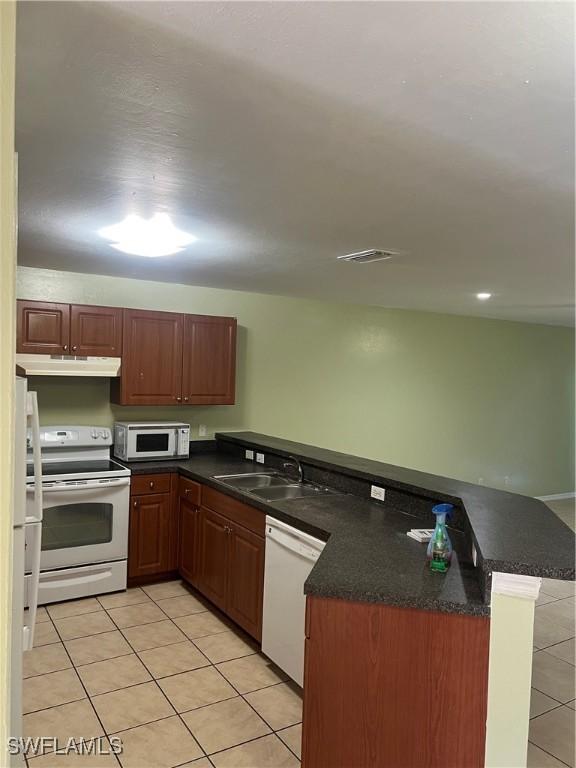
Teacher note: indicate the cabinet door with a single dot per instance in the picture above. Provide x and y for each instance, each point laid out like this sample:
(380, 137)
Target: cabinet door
(188, 554)
(213, 565)
(209, 364)
(246, 580)
(43, 328)
(151, 358)
(151, 534)
(96, 331)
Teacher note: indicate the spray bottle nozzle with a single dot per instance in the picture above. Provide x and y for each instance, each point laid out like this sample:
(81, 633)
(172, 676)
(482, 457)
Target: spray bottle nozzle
(443, 509)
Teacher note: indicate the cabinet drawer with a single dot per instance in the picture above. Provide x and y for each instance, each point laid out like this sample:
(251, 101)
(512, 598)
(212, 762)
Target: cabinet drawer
(189, 491)
(234, 510)
(149, 484)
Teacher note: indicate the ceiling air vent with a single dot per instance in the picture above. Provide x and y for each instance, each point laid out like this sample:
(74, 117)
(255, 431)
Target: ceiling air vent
(364, 257)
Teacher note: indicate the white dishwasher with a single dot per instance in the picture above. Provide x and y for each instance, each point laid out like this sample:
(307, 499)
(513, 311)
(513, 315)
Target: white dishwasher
(290, 556)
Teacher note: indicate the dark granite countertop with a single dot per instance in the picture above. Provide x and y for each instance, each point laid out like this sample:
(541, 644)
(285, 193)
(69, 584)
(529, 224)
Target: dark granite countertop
(512, 533)
(368, 556)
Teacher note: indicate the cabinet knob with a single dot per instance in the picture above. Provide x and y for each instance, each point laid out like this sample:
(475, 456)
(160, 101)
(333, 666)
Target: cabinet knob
(65, 347)
(186, 491)
(186, 399)
(179, 399)
(74, 348)
(151, 483)
(135, 503)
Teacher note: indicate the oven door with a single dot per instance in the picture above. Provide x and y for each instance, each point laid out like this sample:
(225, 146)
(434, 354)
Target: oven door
(84, 521)
(152, 443)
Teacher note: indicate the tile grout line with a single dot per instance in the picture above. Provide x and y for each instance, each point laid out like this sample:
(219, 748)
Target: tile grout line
(286, 745)
(238, 694)
(549, 753)
(209, 663)
(242, 696)
(177, 714)
(87, 697)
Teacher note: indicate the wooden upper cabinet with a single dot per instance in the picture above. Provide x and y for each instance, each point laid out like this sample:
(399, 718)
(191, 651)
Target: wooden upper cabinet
(151, 359)
(43, 328)
(167, 358)
(95, 331)
(209, 360)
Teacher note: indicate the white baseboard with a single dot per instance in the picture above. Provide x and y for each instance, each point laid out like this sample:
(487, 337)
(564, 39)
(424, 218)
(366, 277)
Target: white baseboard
(557, 496)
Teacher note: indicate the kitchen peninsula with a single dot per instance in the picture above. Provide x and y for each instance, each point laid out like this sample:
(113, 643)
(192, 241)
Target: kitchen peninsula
(388, 643)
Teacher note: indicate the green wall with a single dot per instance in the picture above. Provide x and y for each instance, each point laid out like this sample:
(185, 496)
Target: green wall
(458, 396)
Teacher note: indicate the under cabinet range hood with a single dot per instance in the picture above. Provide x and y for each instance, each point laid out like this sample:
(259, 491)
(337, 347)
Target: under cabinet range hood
(69, 365)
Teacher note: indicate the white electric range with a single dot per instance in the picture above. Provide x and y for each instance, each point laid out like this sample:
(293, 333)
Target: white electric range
(85, 514)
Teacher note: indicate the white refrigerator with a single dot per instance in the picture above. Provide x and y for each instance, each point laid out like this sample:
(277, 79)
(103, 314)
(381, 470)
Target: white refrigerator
(26, 528)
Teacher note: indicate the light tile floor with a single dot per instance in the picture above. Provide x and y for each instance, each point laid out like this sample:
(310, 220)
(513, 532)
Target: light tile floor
(168, 674)
(552, 715)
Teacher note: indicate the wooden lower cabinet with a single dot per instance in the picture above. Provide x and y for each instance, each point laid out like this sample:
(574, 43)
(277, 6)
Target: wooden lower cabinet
(153, 532)
(246, 580)
(213, 557)
(188, 544)
(393, 687)
(223, 558)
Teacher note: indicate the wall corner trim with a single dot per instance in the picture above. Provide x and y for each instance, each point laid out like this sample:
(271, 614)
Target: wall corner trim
(516, 585)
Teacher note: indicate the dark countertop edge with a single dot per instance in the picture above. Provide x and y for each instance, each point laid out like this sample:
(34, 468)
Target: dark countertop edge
(437, 606)
(424, 484)
(472, 609)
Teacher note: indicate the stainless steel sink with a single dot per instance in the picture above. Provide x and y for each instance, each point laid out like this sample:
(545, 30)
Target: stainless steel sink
(251, 480)
(295, 491)
(270, 486)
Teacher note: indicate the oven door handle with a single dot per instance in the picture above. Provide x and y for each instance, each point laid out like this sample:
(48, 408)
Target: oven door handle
(88, 485)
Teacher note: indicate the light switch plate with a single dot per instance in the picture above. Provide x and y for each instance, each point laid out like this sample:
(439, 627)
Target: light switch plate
(260, 458)
(202, 430)
(248, 454)
(377, 493)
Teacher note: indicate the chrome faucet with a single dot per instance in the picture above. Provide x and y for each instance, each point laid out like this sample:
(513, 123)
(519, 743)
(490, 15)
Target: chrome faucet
(294, 464)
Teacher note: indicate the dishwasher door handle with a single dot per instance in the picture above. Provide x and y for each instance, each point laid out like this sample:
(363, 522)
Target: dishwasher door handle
(292, 543)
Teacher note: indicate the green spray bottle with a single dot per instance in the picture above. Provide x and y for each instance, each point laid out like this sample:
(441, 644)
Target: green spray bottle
(439, 550)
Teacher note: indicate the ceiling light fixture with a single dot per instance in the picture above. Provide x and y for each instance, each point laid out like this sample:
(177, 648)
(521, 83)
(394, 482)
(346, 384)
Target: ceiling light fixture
(483, 296)
(153, 237)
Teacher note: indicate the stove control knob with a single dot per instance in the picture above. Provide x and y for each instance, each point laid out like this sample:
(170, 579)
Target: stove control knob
(94, 434)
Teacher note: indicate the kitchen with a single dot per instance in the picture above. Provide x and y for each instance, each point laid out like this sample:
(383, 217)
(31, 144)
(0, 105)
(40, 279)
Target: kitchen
(218, 570)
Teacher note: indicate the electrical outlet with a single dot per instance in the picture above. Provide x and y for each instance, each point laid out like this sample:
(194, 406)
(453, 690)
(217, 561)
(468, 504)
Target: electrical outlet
(260, 458)
(377, 493)
(249, 454)
(202, 430)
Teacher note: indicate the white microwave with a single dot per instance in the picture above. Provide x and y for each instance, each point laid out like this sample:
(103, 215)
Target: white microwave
(136, 441)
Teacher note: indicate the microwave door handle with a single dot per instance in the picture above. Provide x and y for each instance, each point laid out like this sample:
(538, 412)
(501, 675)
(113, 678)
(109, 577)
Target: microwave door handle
(32, 412)
(36, 545)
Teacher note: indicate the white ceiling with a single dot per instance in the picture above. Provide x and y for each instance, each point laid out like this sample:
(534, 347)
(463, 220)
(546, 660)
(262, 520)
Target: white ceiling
(283, 134)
